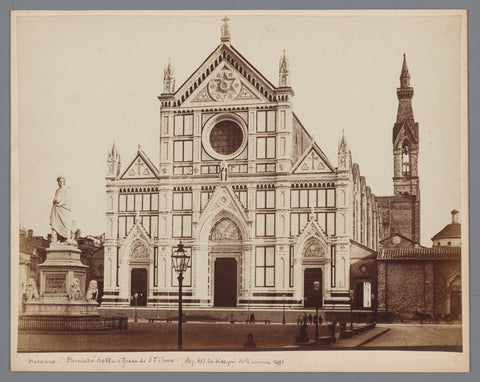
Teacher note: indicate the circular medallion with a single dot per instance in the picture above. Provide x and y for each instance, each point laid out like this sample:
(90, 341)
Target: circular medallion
(224, 136)
(225, 86)
(396, 240)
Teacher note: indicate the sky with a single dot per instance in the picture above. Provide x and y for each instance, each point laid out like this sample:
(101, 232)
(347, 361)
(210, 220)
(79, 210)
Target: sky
(82, 82)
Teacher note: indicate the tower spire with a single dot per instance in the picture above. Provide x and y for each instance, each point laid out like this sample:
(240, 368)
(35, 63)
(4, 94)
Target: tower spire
(284, 71)
(168, 78)
(405, 75)
(405, 95)
(225, 30)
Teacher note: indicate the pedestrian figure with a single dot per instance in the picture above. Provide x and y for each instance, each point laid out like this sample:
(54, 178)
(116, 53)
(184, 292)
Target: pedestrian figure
(305, 319)
(302, 334)
(300, 319)
(310, 318)
(252, 318)
(250, 344)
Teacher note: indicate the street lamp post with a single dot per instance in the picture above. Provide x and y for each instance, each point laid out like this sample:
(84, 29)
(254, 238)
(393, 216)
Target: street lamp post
(180, 261)
(136, 304)
(283, 318)
(351, 309)
(316, 288)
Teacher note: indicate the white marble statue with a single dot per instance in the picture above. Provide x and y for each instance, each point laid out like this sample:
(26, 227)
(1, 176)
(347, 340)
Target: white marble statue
(31, 292)
(92, 291)
(75, 292)
(60, 216)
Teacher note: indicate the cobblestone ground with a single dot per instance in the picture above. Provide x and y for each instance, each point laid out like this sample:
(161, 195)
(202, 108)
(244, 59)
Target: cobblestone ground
(163, 336)
(144, 336)
(417, 335)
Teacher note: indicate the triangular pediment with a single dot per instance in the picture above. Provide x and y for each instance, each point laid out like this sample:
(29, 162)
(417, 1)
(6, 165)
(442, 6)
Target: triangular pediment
(141, 167)
(137, 235)
(313, 229)
(223, 203)
(404, 132)
(225, 77)
(225, 85)
(312, 241)
(313, 161)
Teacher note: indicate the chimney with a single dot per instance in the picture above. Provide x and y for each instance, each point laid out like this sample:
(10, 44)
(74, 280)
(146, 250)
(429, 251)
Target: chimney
(30, 234)
(454, 216)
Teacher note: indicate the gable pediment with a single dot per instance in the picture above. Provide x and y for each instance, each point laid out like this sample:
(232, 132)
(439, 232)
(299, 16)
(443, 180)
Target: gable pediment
(313, 162)
(223, 204)
(224, 85)
(225, 77)
(137, 237)
(140, 168)
(403, 132)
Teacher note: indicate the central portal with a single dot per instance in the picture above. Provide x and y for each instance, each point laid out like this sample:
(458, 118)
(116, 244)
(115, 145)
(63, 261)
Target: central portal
(139, 286)
(225, 284)
(310, 295)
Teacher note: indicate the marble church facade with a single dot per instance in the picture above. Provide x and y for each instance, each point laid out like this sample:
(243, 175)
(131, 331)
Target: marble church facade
(241, 183)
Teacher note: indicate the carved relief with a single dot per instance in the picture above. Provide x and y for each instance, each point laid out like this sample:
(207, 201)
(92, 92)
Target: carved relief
(225, 229)
(225, 86)
(139, 252)
(313, 249)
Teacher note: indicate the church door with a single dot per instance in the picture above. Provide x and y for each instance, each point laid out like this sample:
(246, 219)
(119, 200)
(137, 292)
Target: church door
(225, 282)
(139, 286)
(455, 305)
(310, 295)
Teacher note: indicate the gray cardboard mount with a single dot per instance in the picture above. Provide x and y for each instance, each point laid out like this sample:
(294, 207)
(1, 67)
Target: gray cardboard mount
(474, 121)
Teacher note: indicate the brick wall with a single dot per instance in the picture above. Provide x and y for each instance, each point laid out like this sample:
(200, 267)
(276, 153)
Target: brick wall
(407, 285)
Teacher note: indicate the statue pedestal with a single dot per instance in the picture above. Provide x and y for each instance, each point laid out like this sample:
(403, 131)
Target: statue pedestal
(62, 305)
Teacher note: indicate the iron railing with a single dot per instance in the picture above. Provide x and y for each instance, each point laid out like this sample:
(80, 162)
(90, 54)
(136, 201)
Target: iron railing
(70, 323)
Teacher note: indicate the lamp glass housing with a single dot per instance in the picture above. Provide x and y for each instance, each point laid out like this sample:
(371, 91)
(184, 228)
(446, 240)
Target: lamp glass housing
(180, 259)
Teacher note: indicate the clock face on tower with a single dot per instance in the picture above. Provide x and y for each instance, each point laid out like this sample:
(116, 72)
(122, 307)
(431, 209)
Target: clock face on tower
(224, 136)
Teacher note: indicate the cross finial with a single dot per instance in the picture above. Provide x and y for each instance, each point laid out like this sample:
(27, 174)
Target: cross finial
(225, 37)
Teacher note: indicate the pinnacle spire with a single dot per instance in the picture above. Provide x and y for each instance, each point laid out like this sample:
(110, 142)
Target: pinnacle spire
(405, 72)
(342, 145)
(284, 71)
(168, 78)
(225, 30)
(405, 75)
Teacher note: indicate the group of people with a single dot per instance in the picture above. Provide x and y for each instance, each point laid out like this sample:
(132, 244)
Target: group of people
(305, 319)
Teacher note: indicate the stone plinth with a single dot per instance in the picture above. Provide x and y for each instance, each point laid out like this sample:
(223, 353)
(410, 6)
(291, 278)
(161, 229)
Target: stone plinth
(59, 270)
(62, 290)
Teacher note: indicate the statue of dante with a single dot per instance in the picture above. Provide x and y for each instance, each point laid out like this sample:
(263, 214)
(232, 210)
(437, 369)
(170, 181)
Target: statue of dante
(60, 217)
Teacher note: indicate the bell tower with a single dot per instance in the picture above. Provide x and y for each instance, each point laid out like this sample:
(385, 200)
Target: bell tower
(405, 140)
(404, 206)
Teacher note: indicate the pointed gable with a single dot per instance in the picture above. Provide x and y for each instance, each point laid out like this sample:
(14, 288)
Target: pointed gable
(313, 161)
(223, 204)
(224, 85)
(223, 77)
(141, 167)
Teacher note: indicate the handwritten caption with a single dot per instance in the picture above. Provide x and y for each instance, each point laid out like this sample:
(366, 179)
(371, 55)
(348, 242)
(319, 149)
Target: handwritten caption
(183, 361)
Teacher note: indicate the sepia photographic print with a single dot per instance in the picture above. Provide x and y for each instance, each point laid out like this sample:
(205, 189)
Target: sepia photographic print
(239, 191)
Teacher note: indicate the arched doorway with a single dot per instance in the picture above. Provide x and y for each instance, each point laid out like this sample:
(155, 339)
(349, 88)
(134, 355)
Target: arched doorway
(225, 288)
(139, 260)
(310, 296)
(139, 286)
(225, 241)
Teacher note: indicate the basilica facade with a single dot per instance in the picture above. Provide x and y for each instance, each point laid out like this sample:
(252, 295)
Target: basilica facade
(260, 209)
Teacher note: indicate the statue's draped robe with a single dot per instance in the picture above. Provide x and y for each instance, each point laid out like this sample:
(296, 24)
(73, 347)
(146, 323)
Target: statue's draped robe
(60, 217)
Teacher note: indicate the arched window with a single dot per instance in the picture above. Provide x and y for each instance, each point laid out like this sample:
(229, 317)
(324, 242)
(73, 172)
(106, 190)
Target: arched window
(406, 160)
